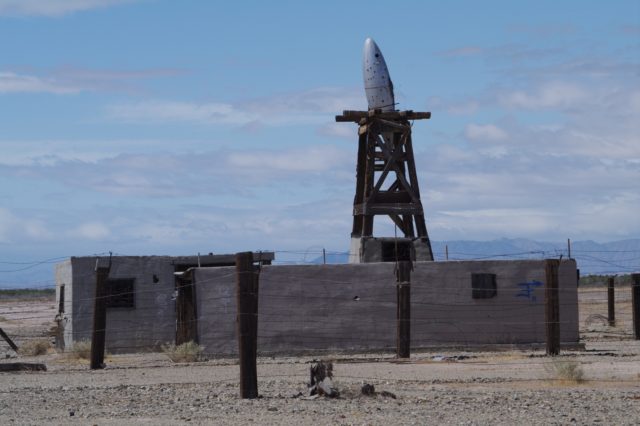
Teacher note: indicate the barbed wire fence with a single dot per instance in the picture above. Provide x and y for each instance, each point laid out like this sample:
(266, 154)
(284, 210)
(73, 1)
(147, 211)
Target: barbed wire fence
(590, 262)
(594, 306)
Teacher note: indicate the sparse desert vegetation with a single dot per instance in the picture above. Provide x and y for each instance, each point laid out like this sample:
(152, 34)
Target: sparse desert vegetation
(438, 386)
(35, 347)
(565, 370)
(186, 352)
(80, 350)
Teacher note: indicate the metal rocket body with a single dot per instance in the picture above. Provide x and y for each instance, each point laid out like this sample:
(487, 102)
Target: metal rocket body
(377, 83)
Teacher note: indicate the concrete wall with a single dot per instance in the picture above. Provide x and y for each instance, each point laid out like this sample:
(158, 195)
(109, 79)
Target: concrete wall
(152, 320)
(369, 249)
(302, 307)
(353, 307)
(63, 276)
(443, 310)
(149, 324)
(323, 307)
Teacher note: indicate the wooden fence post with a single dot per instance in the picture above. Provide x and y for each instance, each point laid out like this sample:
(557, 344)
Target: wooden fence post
(403, 313)
(552, 306)
(99, 318)
(611, 311)
(635, 303)
(247, 323)
(8, 340)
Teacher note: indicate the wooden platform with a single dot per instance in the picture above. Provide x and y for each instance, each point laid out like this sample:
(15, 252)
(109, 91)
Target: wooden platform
(357, 116)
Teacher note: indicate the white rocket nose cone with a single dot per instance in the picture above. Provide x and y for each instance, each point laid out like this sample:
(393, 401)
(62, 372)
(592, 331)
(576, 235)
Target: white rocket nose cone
(369, 43)
(377, 83)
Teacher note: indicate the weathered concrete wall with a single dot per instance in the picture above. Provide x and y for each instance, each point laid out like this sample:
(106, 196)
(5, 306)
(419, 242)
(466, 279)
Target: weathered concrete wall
(370, 249)
(63, 276)
(149, 324)
(353, 307)
(302, 307)
(443, 310)
(323, 307)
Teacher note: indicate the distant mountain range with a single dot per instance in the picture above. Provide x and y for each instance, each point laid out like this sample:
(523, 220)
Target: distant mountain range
(616, 257)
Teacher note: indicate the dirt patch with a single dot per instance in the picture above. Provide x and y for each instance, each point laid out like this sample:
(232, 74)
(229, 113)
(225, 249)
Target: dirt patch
(443, 387)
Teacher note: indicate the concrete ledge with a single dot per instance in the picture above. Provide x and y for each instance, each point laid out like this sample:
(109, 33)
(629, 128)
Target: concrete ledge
(567, 346)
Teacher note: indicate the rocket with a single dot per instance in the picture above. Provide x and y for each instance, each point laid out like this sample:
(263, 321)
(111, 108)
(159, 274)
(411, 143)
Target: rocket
(377, 83)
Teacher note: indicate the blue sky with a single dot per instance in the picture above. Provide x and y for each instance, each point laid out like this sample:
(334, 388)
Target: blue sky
(164, 127)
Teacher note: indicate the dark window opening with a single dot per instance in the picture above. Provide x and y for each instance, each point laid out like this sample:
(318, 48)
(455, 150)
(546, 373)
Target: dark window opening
(483, 286)
(396, 250)
(120, 293)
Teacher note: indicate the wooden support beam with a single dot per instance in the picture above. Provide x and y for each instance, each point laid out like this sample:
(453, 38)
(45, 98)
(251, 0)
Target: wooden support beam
(247, 324)
(635, 304)
(611, 311)
(403, 340)
(552, 307)
(8, 340)
(356, 116)
(398, 126)
(99, 319)
(387, 208)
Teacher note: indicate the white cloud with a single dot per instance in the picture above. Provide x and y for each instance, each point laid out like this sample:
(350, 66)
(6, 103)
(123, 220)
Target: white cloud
(463, 51)
(463, 108)
(562, 160)
(15, 228)
(68, 80)
(16, 83)
(315, 106)
(548, 95)
(481, 222)
(50, 152)
(487, 132)
(52, 8)
(91, 231)
(312, 159)
(163, 111)
(326, 100)
(166, 174)
(339, 130)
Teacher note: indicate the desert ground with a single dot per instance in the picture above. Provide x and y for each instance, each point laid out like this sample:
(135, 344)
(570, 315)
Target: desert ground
(599, 384)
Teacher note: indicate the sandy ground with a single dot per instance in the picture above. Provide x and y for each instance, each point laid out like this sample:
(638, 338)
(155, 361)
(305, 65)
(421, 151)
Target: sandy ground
(518, 386)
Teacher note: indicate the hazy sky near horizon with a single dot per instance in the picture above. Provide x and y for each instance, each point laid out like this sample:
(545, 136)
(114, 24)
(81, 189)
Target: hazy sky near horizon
(164, 127)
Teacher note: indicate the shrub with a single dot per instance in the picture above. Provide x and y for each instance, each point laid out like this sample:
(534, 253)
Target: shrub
(35, 347)
(565, 370)
(186, 352)
(81, 349)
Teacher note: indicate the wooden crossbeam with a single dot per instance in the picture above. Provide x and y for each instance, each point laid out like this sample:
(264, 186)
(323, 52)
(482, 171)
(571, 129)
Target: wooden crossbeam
(387, 208)
(356, 116)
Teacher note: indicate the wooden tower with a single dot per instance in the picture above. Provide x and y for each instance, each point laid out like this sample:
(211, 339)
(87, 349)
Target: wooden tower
(387, 184)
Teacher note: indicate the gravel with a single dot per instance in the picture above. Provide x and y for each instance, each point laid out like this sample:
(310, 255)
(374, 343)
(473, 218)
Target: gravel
(448, 387)
(486, 389)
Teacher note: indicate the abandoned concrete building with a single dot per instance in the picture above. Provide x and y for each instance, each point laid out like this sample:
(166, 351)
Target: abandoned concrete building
(351, 307)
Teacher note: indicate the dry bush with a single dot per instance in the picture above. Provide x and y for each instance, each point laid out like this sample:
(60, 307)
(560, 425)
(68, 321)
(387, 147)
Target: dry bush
(35, 347)
(186, 352)
(568, 371)
(81, 349)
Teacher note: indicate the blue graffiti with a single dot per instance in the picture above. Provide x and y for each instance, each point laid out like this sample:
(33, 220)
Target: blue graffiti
(527, 290)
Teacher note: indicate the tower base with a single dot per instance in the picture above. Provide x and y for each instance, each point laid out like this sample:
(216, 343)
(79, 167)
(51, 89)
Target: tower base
(372, 249)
